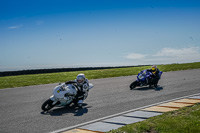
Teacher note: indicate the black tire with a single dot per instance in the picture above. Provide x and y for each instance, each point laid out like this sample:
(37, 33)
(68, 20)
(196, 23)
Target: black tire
(133, 85)
(47, 105)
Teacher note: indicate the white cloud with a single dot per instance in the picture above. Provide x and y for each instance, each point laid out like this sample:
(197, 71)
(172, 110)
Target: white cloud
(183, 55)
(168, 55)
(15, 27)
(135, 56)
(192, 51)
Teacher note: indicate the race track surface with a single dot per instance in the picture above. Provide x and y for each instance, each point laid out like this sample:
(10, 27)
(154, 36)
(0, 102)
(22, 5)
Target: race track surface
(21, 107)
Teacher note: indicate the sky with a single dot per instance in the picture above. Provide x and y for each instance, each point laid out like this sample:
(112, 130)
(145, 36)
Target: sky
(42, 34)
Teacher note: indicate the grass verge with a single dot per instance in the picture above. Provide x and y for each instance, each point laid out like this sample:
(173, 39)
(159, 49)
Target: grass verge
(37, 79)
(184, 120)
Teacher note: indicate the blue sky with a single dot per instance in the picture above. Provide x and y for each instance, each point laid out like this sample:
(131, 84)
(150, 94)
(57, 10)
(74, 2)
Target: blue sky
(86, 33)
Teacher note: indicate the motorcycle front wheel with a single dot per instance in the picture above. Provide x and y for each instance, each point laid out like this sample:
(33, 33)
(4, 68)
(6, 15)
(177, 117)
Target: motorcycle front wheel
(47, 105)
(133, 85)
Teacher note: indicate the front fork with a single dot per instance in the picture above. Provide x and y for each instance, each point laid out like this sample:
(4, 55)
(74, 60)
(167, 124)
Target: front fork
(54, 100)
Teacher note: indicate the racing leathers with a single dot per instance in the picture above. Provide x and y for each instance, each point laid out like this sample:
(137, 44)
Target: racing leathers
(155, 76)
(82, 92)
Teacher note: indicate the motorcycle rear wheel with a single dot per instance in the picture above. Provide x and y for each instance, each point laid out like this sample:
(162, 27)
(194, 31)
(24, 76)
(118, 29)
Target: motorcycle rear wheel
(47, 105)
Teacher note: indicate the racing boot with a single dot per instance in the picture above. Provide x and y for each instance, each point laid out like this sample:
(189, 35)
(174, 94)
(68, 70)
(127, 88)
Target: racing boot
(80, 103)
(155, 85)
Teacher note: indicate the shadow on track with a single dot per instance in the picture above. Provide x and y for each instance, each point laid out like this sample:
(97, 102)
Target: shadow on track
(159, 88)
(68, 109)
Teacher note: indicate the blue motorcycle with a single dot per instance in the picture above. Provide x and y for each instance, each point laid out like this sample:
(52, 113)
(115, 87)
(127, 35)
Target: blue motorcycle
(144, 78)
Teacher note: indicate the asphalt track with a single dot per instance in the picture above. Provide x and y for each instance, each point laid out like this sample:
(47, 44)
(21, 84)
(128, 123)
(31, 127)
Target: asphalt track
(21, 107)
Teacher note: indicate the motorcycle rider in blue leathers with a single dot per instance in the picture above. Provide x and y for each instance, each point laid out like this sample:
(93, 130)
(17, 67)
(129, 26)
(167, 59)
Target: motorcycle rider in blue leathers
(155, 75)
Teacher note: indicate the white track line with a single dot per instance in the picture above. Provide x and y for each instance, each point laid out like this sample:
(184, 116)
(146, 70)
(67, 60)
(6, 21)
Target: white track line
(89, 122)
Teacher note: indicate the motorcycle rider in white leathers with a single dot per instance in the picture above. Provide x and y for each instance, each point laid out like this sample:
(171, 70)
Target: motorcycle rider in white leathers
(82, 84)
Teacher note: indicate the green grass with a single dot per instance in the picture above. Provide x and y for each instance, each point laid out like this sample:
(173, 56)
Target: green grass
(184, 120)
(37, 79)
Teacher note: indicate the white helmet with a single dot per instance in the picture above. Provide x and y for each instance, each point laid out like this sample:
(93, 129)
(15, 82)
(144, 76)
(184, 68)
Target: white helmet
(80, 79)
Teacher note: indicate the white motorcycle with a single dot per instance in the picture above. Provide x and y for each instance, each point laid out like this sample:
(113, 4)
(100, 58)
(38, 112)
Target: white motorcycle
(63, 94)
